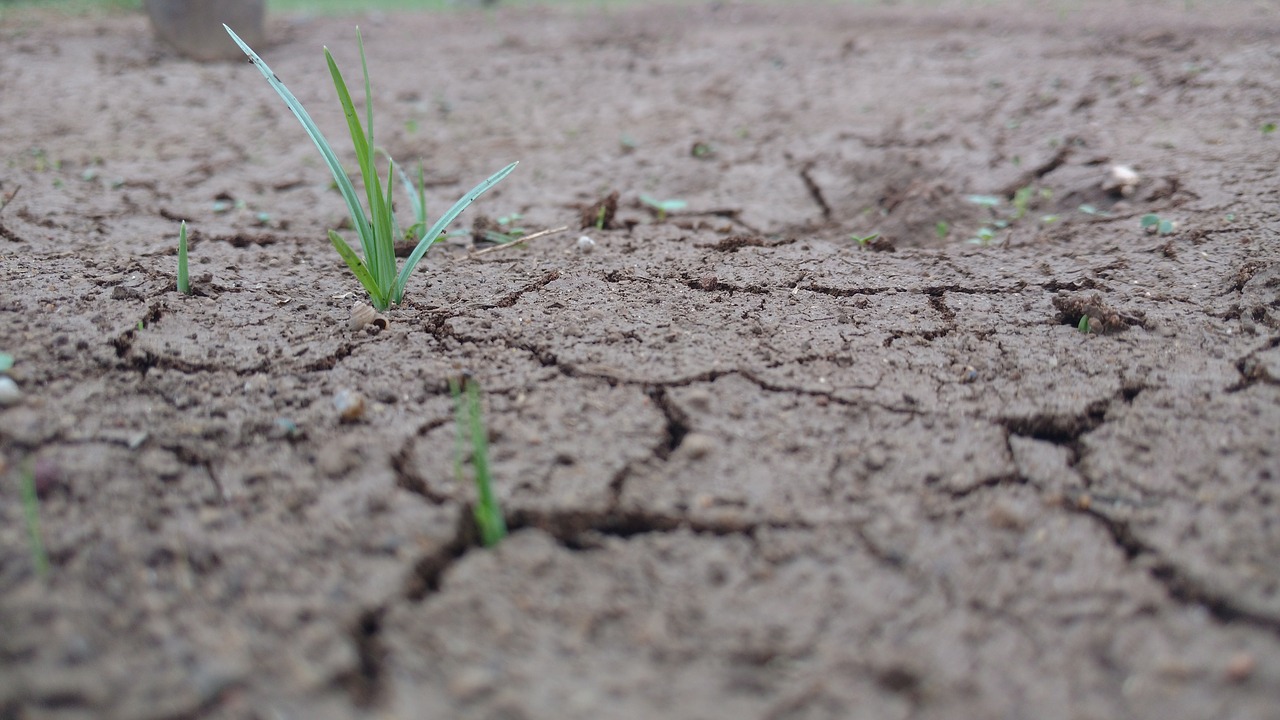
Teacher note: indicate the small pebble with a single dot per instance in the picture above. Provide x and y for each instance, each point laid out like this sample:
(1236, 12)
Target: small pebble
(586, 244)
(349, 404)
(698, 445)
(9, 392)
(1240, 667)
(470, 683)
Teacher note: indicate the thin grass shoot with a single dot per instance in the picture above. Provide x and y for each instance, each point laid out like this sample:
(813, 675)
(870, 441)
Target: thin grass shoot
(184, 281)
(473, 436)
(31, 511)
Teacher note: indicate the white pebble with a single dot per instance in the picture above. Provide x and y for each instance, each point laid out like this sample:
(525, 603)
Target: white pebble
(586, 244)
(9, 392)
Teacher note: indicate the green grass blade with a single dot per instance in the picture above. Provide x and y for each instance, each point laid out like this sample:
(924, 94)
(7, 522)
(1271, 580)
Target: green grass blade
(431, 235)
(371, 243)
(488, 516)
(417, 194)
(31, 511)
(360, 270)
(368, 91)
(184, 282)
(339, 175)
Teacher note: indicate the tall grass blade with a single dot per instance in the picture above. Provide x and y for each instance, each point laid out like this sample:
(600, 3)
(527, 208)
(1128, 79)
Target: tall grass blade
(31, 511)
(433, 234)
(471, 430)
(184, 281)
(359, 269)
(339, 175)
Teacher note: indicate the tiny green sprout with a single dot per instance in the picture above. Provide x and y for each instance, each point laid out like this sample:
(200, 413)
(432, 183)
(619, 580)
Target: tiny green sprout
(472, 433)
(1083, 325)
(31, 511)
(983, 237)
(943, 229)
(600, 217)
(377, 229)
(184, 283)
(1160, 225)
(1088, 209)
(1049, 219)
(1022, 201)
(983, 200)
(141, 326)
(663, 207)
(1268, 128)
(865, 240)
(6, 362)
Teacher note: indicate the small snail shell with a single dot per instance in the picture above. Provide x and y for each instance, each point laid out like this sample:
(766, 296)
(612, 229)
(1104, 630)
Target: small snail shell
(363, 315)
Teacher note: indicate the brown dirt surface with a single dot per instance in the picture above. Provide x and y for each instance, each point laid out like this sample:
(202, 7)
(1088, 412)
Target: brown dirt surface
(753, 468)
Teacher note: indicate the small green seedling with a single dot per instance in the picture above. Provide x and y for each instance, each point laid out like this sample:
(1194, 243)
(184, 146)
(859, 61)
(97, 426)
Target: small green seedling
(1268, 128)
(1083, 325)
(865, 240)
(943, 229)
(184, 282)
(983, 200)
(983, 237)
(377, 230)
(1161, 226)
(472, 432)
(1022, 201)
(6, 362)
(31, 511)
(663, 207)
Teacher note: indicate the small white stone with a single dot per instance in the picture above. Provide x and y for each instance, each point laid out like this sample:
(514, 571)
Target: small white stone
(9, 392)
(1121, 179)
(349, 404)
(586, 244)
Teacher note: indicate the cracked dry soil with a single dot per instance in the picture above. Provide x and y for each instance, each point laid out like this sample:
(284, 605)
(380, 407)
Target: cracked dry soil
(754, 469)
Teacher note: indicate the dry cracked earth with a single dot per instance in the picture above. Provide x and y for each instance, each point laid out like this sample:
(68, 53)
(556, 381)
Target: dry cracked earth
(754, 467)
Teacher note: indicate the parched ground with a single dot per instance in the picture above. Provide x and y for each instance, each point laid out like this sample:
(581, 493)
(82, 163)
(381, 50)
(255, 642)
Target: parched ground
(754, 468)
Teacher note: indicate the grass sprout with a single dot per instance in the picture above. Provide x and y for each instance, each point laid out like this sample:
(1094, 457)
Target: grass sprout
(377, 230)
(472, 434)
(1154, 223)
(184, 282)
(1083, 325)
(663, 207)
(31, 511)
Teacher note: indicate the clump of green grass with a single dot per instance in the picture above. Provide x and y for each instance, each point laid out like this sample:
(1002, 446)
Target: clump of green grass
(472, 434)
(184, 282)
(377, 229)
(31, 511)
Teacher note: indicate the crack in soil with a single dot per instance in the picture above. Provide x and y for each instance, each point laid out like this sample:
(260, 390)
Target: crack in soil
(365, 682)
(815, 192)
(1180, 585)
